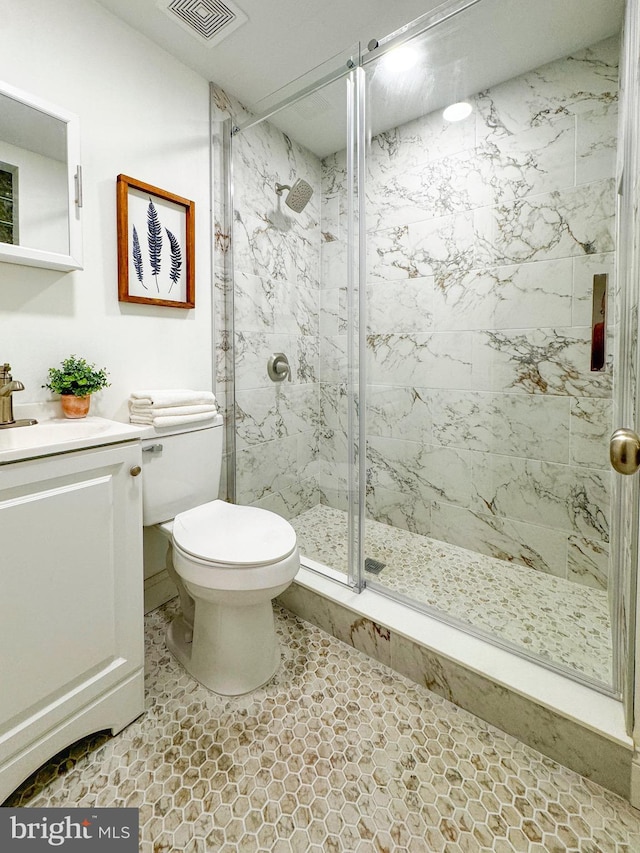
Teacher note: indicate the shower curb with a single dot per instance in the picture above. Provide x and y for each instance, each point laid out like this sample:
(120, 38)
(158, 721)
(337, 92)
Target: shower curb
(571, 723)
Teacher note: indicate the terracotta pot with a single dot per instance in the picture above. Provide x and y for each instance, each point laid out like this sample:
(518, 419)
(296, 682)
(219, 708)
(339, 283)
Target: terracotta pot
(75, 407)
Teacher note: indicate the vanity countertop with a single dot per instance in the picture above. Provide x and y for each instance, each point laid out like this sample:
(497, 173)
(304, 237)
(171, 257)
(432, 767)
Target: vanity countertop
(60, 435)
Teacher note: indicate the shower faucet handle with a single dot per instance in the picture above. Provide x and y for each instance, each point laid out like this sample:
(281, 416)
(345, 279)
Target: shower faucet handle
(278, 367)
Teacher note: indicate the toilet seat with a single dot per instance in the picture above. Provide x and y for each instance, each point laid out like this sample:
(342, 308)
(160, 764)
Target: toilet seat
(233, 536)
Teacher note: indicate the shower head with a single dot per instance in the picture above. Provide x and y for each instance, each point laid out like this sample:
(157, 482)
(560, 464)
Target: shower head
(298, 195)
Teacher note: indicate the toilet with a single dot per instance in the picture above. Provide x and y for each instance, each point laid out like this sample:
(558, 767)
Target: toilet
(227, 561)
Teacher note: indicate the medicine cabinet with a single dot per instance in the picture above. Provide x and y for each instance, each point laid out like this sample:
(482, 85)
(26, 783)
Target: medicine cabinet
(40, 183)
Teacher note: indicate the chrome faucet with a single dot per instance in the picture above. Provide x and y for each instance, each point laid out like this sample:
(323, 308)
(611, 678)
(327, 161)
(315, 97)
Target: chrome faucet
(7, 386)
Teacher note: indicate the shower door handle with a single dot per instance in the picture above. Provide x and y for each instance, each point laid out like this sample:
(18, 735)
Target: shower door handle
(624, 451)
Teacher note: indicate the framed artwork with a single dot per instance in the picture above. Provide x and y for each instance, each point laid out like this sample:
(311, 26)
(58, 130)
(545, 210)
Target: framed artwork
(156, 245)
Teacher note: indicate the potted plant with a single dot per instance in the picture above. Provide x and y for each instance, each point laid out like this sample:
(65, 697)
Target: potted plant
(75, 380)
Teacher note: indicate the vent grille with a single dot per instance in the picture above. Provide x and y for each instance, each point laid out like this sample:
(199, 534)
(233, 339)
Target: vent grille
(209, 20)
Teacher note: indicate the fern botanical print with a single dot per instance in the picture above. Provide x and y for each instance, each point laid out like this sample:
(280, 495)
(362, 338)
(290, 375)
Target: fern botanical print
(157, 263)
(154, 236)
(137, 258)
(176, 258)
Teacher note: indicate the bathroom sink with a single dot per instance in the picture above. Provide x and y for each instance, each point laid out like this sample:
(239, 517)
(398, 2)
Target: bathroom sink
(60, 435)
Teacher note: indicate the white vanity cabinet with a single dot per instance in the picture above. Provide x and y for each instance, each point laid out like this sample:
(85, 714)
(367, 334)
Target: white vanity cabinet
(71, 611)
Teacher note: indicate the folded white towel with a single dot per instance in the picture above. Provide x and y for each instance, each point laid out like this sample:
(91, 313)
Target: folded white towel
(176, 420)
(176, 397)
(169, 411)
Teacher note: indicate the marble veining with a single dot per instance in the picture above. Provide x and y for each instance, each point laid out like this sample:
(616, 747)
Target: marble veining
(558, 224)
(539, 361)
(573, 85)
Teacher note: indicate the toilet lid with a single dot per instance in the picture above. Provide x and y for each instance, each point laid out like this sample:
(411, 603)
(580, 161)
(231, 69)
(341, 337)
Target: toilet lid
(218, 532)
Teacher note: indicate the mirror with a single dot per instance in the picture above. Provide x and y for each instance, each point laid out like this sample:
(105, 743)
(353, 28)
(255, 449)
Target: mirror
(40, 183)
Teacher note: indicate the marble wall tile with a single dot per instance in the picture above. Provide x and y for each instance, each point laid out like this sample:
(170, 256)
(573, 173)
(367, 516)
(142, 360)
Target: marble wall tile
(333, 312)
(436, 247)
(276, 249)
(268, 305)
(438, 360)
(398, 509)
(536, 313)
(264, 156)
(334, 400)
(518, 542)
(508, 424)
(562, 223)
(417, 142)
(506, 297)
(333, 263)
(501, 169)
(583, 81)
(562, 497)
(291, 501)
(425, 471)
(333, 445)
(588, 562)
(275, 466)
(399, 411)
(277, 262)
(400, 306)
(334, 219)
(449, 185)
(284, 409)
(528, 162)
(333, 484)
(538, 361)
(591, 428)
(252, 350)
(333, 358)
(596, 143)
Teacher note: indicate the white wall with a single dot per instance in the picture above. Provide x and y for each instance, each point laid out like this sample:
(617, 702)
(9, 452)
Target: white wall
(143, 114)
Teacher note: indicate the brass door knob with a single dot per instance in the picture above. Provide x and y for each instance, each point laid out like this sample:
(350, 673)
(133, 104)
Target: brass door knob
(624, 451)
(135, 470)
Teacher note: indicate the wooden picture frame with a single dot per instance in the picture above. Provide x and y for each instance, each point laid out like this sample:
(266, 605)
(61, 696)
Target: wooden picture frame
(156, 245)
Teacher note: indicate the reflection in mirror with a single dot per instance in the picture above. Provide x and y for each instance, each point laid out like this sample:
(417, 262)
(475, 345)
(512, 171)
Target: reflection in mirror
(39, 150)
(9, 203)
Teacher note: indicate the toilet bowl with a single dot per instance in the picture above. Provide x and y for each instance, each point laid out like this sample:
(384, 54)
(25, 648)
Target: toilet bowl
(227, 561)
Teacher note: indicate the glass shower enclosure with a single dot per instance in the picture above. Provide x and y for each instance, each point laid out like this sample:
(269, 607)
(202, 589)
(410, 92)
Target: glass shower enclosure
(440, 432)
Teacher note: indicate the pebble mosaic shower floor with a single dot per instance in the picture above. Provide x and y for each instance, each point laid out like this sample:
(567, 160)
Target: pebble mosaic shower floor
(550, 617)
(336, 753)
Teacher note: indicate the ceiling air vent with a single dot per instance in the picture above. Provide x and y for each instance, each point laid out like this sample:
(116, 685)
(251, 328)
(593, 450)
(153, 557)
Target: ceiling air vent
(210, 21)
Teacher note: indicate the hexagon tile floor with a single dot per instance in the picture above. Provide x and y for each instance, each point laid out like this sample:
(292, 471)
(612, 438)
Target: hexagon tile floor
(336, 753)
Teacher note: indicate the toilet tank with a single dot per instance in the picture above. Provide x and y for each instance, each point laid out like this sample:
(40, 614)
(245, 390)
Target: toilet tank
(180, 470)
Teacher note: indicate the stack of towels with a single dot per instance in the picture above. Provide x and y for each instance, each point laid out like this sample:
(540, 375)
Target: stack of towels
(171, 408)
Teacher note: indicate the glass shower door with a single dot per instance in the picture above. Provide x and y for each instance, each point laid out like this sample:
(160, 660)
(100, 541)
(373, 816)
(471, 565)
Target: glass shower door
(295, 298)
(490, 207)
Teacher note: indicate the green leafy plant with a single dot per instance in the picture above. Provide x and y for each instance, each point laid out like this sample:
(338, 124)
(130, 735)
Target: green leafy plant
(77, 377)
